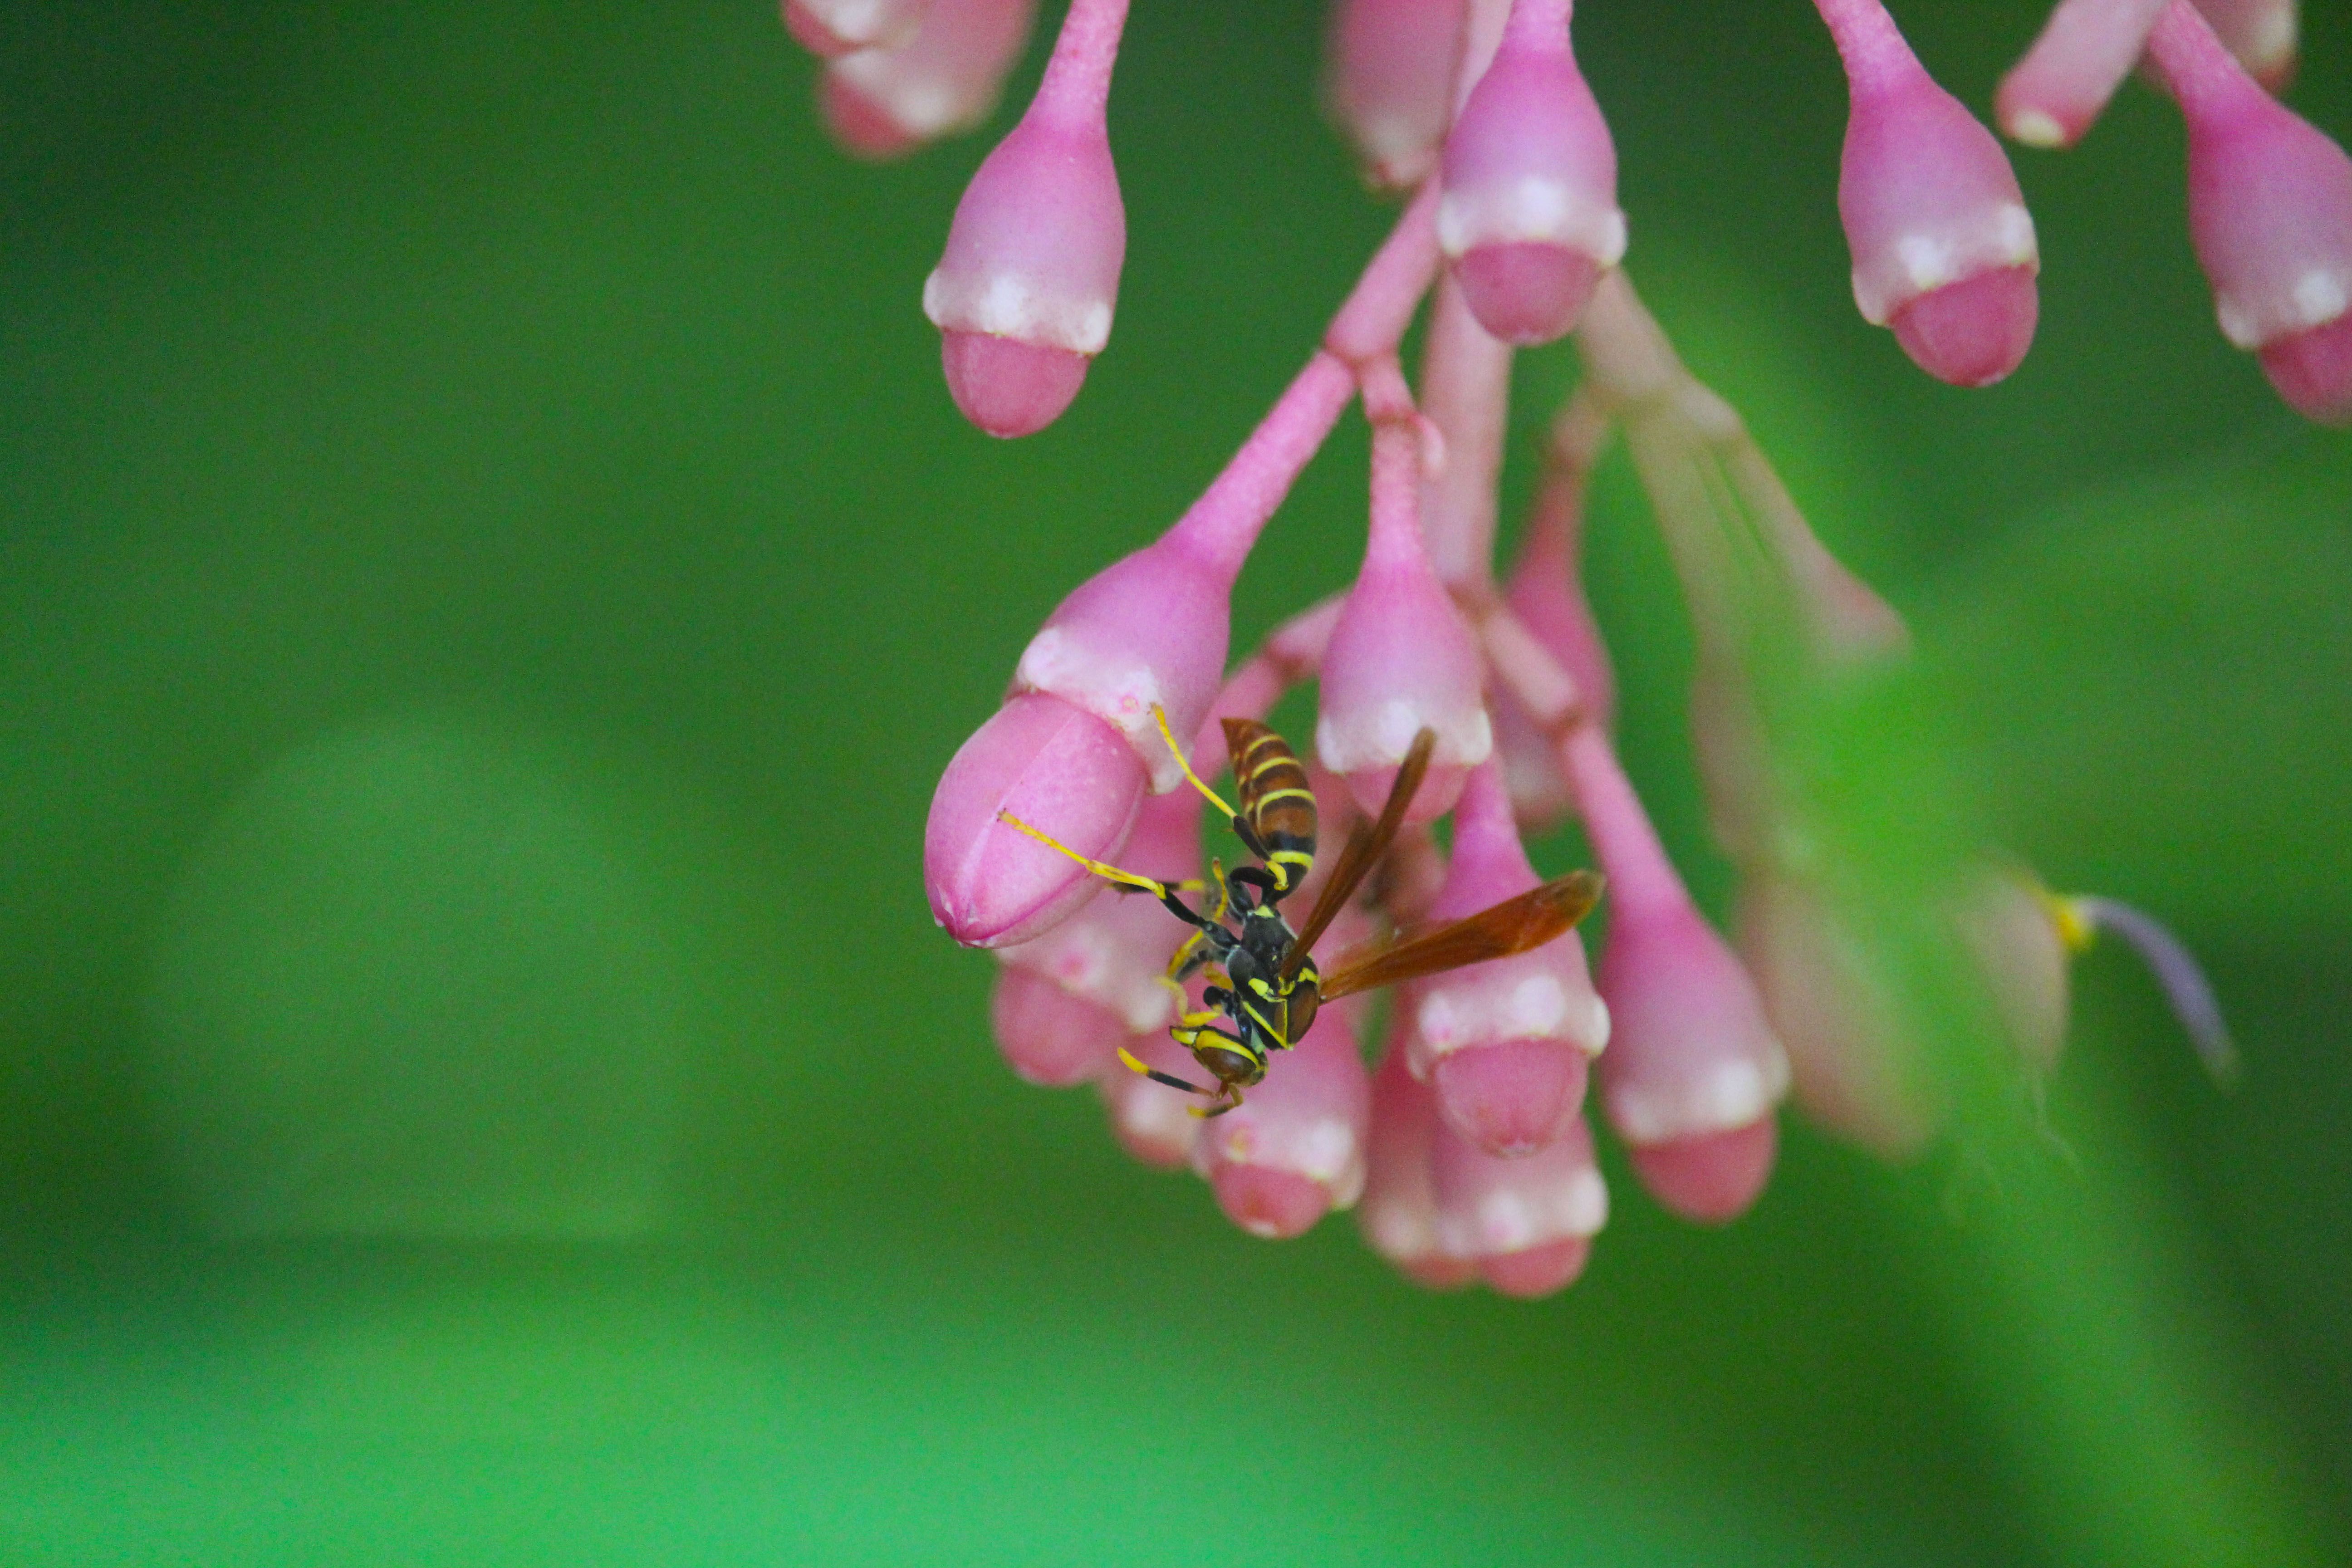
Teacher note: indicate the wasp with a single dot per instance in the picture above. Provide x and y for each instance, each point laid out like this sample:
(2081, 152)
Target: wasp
(1266, 988)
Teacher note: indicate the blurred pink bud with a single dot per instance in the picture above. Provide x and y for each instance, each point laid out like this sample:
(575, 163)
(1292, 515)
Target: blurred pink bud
(1850, 1070)
(1505, 1044)
(829, 28)
(1023, 297)
(1059, 769)
(2011, 929)
(1527, 1223)
(1943, 246)
(2263, 34)
(1153, 1123)
(1389, 82)
(2051, 95)
(1066, 1002)
(1294, 1150)
(1400, 658)
(2269, 209)
(1529, 218)
(1150, 629)
(885, 102)
(1398, 1215)
(1692, 1071)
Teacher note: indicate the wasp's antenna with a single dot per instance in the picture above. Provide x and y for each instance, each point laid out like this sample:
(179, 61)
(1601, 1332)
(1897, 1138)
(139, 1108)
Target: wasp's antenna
(1100, 869)
(1160, 714)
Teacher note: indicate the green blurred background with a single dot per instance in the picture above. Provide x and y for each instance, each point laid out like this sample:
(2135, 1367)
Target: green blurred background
(490, 576)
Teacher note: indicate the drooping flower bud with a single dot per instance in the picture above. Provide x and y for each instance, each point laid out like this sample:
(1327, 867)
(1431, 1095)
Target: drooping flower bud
(2262, 34)
(1400, 658)
(827, 28)
(1023, 296)
(1850, 1069)
(1505, 1043)
(1066, 1002)
(1943, 248)
(1056, 767)
(1529, 218)
(2020, 937)
(1398, 1215)
(1528, 1224)
(2269, 209)
(885, 102)
(1389, 72)
(1693, 1070)
(2050, 98)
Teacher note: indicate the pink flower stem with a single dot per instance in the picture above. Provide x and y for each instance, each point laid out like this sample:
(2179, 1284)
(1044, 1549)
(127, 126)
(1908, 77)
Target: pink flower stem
(1396, 467)
(1538, 22)
(1372, 320)
(1875, 56)
(1642, 879)
(1292, 653)
(1076, 87)
(1224, 523)
(2194, 67)
(1465, 377)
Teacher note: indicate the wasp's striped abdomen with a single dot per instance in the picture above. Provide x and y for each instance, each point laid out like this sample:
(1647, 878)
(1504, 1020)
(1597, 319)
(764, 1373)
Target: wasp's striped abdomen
(1275, 805)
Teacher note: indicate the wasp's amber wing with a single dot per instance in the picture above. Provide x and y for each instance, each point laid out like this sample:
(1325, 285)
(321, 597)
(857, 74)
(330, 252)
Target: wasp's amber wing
(1365, 848)
(1513, 926)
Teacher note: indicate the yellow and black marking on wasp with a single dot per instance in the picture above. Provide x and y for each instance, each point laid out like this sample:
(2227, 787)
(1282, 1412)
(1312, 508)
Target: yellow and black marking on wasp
(1263, 981)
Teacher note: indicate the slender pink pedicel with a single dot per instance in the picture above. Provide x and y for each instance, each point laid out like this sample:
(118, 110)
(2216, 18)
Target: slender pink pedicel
(1023, 297)
(1693, 1070)
(829, 27)
(1056, 767)
(1398, 1213)
(2269, 209)
(886, 102)
(2051, 96)
(1528, 1224)
(1943, 246)
(1529, 217)
(1066, 1002)
(1545, 592)
(1389, 82)
(1505, 1044)
(1400, 658)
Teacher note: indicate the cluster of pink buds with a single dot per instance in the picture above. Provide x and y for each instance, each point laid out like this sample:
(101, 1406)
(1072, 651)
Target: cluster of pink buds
(1462, 1135)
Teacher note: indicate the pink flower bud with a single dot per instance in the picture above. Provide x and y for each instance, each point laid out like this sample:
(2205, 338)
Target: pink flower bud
(1067, 1001)
(2009, 927)
(2260, 33)
(1153, 1123)
(1391, 65)
(1400, 658)
(1528, 1223)
(1294, 1150)
(2269, 209)
(2051, 96)
(1505, 1044)
(1693, 1070)
(1943, 246)
(1398, 1215)
(1529, 217)
(1059, 769)
(885, 102)
(1150, 629)
(829, 28)
(1023, 297)
(1850, 1070)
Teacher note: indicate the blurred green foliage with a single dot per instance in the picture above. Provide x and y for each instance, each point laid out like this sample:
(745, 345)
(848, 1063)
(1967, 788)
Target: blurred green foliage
(489, 578)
